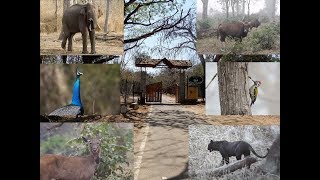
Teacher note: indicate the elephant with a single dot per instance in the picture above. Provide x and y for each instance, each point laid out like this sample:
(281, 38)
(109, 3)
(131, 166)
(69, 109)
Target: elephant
(79, 18)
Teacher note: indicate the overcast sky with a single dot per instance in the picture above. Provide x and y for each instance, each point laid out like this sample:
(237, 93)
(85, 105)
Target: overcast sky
(255, 6)
(268, 101)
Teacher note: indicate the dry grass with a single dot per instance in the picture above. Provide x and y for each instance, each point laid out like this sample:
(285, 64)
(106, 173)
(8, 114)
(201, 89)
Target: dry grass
(243, 120)
(50, 27)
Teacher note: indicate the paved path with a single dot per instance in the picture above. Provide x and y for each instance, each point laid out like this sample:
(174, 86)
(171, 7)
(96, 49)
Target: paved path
(161, 147)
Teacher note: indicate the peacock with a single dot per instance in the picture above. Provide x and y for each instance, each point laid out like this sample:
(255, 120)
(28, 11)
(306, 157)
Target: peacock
(76, 107)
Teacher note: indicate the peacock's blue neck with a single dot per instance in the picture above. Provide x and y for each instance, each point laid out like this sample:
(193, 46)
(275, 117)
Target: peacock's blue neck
(76, 99)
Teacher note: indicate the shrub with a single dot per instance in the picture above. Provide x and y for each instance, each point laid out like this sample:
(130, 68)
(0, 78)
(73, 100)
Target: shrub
(264, 38)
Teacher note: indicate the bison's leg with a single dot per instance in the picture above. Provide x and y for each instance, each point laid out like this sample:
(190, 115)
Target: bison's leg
(222, 38)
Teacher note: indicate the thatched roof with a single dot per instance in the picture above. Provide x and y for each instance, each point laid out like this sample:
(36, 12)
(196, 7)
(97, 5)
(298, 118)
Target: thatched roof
(178, 64)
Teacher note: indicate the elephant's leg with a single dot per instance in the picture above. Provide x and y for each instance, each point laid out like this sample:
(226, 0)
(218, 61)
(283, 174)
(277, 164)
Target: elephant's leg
(84, 42)
(70, 42)
(92, 41)
(64, 40)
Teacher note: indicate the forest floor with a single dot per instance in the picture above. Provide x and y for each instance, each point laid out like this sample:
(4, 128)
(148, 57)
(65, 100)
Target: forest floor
(111, 44)
(212, 45)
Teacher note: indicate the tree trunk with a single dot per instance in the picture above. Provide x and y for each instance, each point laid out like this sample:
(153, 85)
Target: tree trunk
(247, 161)
(272, 163)
(237, 7)
(107, 17)
(232, 7)
(56, 16)
(271, 8)
(233, 88)
(227, 8)
(243, 7)
(205, 9)
(248, 8)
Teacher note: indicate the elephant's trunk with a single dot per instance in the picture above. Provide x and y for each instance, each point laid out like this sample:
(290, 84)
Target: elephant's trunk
(91, 24)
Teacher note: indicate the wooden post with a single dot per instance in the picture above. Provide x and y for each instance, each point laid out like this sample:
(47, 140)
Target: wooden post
(143, 87)
(125, 91)
(133, 91)
(182, 86)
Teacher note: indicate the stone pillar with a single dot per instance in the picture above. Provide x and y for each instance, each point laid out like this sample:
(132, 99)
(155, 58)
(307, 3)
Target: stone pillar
(182, 86)
(143, 81)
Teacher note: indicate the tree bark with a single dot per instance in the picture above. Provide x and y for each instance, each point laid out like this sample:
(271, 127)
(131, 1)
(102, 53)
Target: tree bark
(233, 88)
(271, 8)
(107, 17)
(204, 9)
(272, 163)
(56, 16)
(227, 8)
(232, 7)
(243, 7)
(248, 8)
(237, 7)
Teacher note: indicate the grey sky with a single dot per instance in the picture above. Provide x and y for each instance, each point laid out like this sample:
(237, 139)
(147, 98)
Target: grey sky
(255, 6)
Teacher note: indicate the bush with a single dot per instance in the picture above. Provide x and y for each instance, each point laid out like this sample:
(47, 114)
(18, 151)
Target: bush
(205, 24)
(264, 38)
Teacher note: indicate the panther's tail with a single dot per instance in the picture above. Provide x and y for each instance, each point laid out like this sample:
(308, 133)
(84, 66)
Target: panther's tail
(254, 152)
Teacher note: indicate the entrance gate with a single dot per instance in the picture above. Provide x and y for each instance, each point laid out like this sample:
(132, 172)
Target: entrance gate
(154, 92)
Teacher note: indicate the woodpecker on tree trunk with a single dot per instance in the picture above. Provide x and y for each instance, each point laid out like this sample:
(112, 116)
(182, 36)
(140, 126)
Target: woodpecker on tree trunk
(253, 91)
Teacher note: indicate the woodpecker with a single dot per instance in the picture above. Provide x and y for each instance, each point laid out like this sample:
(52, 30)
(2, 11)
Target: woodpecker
(253, 91)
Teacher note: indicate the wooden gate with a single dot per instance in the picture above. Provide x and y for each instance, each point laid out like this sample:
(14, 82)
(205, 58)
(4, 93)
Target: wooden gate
(154, 92)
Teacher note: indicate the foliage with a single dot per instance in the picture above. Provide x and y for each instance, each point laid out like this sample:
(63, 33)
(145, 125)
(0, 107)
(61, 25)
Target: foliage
(54, 145)
(262, 40)
(204, 24)
(265, 37)
(116, 148)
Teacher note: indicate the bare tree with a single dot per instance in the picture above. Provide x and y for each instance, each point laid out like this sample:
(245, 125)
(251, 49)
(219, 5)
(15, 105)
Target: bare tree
(56, 17)
(226, 5)
(204, 9)
(271, 8)
(233, 88)
(232, 3)
(107, 17)
(243, 7)
(238, 7)
(248, 4)
(141, 23)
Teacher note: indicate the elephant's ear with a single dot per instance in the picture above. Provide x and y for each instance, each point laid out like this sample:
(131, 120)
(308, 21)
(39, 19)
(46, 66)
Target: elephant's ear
(83, 11)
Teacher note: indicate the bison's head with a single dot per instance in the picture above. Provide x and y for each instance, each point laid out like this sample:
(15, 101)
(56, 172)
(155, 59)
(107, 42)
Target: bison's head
(246, 28)
(254, 23)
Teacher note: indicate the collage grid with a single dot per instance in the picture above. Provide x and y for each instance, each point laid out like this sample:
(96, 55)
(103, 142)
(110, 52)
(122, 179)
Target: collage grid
(159, 89)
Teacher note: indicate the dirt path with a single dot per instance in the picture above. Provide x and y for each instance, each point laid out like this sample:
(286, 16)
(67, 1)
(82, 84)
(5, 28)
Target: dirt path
(50, 45)
(161, 146)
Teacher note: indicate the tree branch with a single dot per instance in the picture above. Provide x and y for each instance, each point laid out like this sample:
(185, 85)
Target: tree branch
(164, 26)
